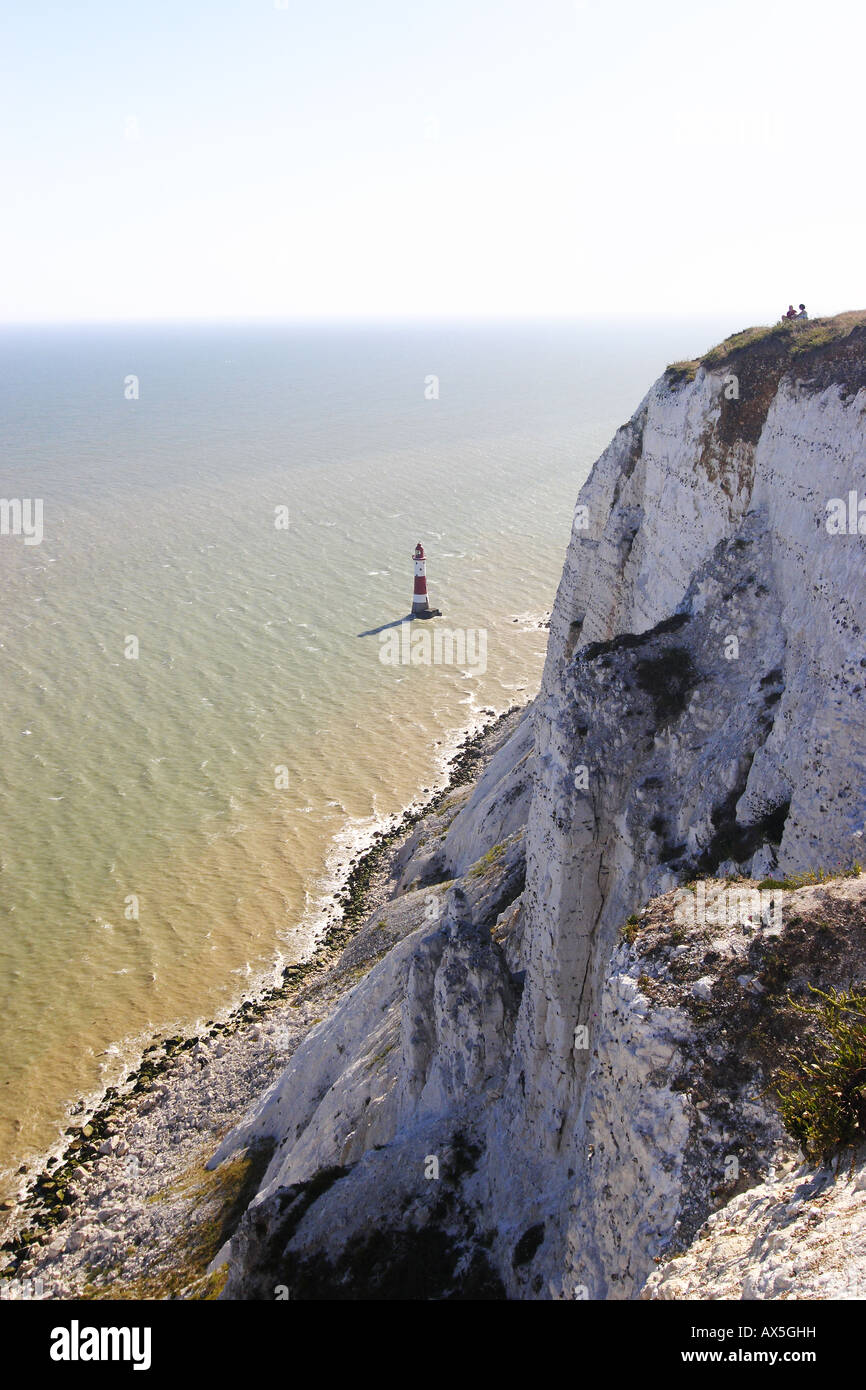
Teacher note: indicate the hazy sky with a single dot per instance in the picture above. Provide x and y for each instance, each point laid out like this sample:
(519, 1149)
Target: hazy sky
(393, 158)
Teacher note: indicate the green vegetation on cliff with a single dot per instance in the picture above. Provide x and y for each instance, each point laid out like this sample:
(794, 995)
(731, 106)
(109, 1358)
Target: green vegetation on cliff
(789, 339)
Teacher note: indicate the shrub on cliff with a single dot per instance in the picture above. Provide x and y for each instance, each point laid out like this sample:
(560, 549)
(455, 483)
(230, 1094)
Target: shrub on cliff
(823, 1095)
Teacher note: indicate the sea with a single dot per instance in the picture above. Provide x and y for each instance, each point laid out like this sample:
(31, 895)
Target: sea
(206, 553)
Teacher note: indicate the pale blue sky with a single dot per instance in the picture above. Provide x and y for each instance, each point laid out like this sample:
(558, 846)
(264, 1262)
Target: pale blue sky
(232, 158)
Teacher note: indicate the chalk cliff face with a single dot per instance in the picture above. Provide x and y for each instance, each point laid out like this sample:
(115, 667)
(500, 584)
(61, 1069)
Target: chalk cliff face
(510, 1101)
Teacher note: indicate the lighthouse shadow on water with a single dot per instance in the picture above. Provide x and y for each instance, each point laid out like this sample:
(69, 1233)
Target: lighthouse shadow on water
(420, 602)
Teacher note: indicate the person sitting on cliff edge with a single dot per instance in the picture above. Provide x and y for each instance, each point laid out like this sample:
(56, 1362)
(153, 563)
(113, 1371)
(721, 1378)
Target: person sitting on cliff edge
(791, 314)
(802, 314)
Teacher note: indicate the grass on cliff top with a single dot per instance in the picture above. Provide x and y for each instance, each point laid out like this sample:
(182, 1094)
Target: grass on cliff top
(822, 1097)
(811, 876)
(792, 336)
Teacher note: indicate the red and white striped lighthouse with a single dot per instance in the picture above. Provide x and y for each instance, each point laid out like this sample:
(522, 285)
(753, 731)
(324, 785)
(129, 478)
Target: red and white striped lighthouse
(420, 603)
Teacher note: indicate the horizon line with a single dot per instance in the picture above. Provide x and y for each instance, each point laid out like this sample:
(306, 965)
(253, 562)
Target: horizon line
(395, 320)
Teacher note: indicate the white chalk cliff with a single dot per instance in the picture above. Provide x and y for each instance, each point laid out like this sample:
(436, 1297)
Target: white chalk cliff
(516, 1100)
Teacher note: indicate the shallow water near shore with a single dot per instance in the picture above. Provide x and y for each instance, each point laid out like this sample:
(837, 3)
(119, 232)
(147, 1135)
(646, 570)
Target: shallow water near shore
(173, 821)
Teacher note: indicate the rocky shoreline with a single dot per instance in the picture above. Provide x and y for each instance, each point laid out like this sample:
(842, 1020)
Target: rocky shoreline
(126, 1209)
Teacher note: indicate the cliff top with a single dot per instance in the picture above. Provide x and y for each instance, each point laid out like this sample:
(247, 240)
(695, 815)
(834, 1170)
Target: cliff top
(782, 343)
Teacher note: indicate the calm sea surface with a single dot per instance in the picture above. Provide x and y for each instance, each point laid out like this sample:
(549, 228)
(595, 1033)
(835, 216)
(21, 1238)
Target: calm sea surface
(154, 785)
